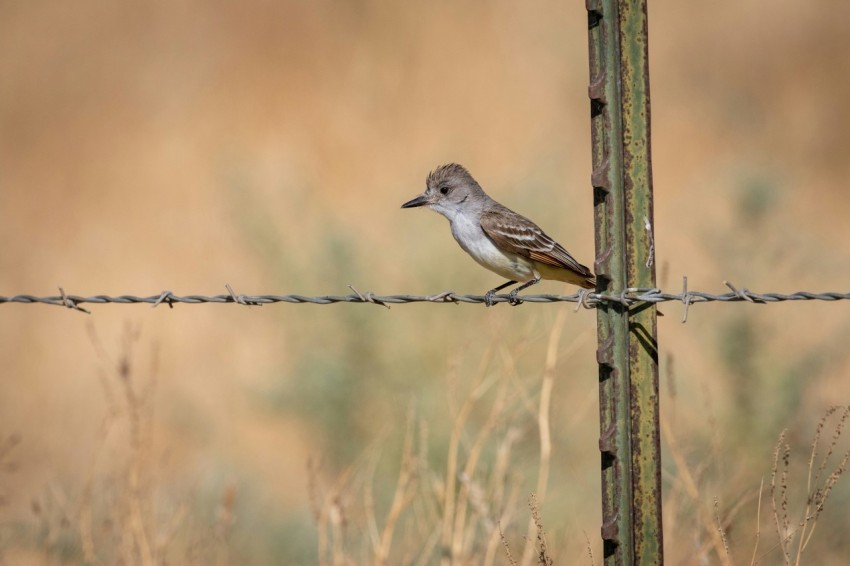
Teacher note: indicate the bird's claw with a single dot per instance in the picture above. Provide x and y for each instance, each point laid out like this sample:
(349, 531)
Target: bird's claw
(489, 299)
(513, 300)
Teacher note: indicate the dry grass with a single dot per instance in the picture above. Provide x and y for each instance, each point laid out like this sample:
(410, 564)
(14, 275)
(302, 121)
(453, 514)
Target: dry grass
(117, 515)
(686, 481)
(456, 516)
(817, 491)
(466, 513)
(794, 537)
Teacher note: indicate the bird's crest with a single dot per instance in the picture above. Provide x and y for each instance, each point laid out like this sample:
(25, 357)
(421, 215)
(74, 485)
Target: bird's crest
(446, 172)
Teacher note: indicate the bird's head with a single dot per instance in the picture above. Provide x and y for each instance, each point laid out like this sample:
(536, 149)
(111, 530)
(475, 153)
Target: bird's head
(449, 189)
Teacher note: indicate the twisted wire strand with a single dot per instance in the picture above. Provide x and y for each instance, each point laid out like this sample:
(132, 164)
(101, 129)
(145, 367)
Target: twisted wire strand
(628, 297)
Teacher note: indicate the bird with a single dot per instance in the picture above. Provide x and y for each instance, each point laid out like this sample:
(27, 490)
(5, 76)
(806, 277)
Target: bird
(505, 242)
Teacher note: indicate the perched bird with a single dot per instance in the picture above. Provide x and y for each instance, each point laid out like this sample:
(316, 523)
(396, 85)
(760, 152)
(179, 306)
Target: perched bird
(498, 238)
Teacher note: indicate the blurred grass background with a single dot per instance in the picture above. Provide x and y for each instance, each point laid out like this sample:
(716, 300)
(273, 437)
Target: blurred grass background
(181, 145)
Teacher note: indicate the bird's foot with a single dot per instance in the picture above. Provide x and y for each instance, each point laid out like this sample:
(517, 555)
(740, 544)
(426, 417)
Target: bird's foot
(489, 298)
(513, 300)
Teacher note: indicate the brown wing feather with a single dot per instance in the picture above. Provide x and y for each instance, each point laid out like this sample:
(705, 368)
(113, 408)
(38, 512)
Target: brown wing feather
(516, 233)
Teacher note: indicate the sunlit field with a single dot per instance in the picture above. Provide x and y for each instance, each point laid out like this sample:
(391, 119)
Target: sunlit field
(269, 145)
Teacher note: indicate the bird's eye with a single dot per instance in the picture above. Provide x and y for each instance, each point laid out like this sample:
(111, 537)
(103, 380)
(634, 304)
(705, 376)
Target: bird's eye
(445, 190)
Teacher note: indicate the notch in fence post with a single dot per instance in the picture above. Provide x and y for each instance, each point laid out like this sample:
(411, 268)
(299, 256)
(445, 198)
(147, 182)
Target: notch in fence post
(628, 348)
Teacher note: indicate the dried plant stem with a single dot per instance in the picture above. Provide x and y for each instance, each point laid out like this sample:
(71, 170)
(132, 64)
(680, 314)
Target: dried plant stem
(589, 549)
(472, 463)
(403, 494)
(497, 536)
(721, 531)
(542, 548)
(317, 507)
(507, 548)
(691, 489)
(753, 561)
(449, 495)
(818, 497)
(337, 539)
(780, 510)
(85, 527)
(543, 427)
(134, 409)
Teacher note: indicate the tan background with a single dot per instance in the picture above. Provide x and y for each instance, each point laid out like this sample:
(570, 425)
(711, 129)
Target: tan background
(184, 145)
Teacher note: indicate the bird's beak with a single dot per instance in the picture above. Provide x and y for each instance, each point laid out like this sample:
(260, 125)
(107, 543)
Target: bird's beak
(418, 201)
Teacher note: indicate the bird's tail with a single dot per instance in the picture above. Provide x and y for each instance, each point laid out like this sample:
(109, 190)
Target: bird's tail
(588, 282)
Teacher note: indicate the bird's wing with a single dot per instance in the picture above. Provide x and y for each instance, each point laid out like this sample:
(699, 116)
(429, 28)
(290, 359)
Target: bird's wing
(517, 234)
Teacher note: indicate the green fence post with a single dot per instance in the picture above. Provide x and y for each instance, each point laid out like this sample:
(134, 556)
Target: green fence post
(628, 348)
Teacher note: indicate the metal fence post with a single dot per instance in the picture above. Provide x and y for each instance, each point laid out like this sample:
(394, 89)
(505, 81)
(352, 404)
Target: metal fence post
(628, 349)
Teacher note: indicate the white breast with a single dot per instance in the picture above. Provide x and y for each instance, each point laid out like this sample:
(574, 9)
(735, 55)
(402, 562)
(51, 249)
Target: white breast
(471, 237)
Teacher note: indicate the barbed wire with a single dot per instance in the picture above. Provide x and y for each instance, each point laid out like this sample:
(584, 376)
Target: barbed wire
(628, 297)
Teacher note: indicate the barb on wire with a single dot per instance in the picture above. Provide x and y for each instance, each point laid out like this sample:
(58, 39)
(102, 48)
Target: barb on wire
(686, 298)
(239, 299)
(587, 299)
(70, 302)
(369, 297)
(165, 297)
